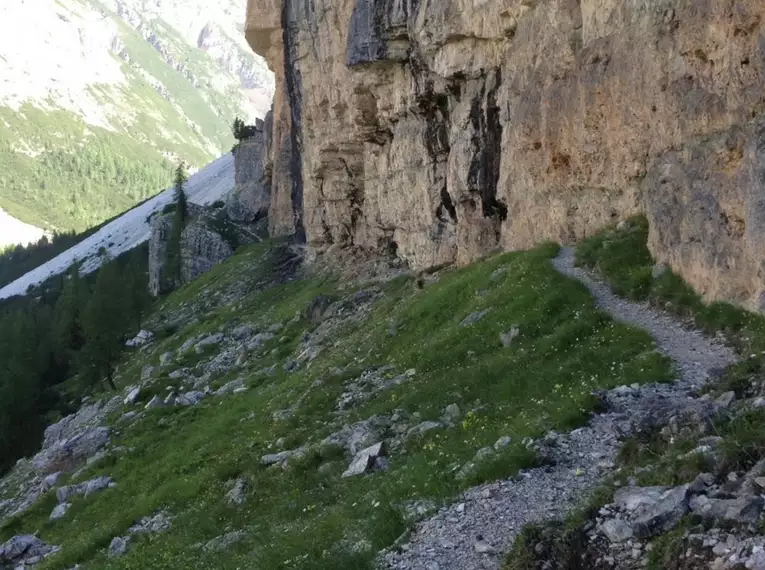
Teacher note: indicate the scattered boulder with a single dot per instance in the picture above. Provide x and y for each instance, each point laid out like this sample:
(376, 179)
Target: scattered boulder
(147, 372)
(60, 511)
(50, 481)
(365, 460)
(154, 403)
(726, 399)
(118, 546)
(242, 332)
(451, 414)
(473, 318)
(189, 399)
(179, 374)
(132, 396)
(187, 345)
(237, 494)
(63, 494)
(359, 435)
(69, 454)
(745, 509)
(141, 339)
(24, 550)
(159, 522)
(422, 428)
(502, 442)
(507, 338)
(230, 387)
(616, 530)
(223, 542)
(283, 456)
(75, 424)
(166, 358)
(208, 341)
(259, 340)
(242, 355)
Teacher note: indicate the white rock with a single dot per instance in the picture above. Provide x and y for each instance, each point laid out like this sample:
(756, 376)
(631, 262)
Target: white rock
(132, 396)
(155, 402)
(60, 511)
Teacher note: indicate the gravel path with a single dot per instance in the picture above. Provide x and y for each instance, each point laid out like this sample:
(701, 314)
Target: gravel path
(694, 355)
(472, 533)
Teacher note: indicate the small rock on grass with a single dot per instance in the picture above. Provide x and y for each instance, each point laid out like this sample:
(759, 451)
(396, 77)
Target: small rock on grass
(507, 338)
(473, 318)
(118, 546)
(366, 460)
(237, 495)
(60, 511)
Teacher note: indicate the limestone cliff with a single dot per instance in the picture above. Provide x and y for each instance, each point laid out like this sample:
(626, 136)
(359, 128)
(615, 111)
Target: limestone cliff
(441, 129)
(208, 238)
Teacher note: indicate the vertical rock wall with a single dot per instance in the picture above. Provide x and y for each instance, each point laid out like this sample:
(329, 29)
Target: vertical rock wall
(441, 129)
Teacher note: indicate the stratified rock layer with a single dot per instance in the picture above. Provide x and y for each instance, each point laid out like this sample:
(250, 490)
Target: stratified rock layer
(441, 130)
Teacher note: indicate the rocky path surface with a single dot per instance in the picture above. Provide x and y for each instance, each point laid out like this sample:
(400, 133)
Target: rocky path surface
(472, 533)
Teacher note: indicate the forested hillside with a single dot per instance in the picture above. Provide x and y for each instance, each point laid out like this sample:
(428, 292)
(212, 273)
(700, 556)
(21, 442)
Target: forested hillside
(61, 343)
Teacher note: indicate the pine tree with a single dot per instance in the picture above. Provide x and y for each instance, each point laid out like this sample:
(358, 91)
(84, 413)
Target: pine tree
(137, 296)
(237, 128)
(104, 326)
(67, 320)
(173, 260)
(20, 369)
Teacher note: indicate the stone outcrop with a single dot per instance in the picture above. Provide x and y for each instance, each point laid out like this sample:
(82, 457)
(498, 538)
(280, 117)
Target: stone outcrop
(250, 200)
(442, 130)
(209, 237)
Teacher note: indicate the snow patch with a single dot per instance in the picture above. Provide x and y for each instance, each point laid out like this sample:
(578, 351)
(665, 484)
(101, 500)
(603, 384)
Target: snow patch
(13, 231)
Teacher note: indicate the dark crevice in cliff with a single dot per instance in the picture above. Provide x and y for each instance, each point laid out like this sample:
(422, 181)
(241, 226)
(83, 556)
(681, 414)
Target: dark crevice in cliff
(294, 88)
(483, 174)
(434, 108)
(356, 199)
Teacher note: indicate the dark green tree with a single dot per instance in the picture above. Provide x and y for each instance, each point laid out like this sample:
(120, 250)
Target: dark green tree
(68, 336)
(104, 327)
(173, 259)
(137, 298)
(237, 128)
(20, 374)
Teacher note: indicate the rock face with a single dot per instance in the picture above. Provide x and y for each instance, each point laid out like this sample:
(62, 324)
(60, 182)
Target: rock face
(441, 130)
(209, 237)
(250, 201)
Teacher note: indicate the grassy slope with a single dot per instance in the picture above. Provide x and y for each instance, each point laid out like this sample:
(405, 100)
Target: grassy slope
(75, 182)
(181, 459)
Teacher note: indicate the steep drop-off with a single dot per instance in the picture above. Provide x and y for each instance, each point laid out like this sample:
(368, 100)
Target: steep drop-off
(441, 130)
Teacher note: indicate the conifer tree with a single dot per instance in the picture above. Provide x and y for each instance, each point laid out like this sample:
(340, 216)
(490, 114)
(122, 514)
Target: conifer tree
(67, 320)
(19, 385)
(104, 326)
(237, 128)
(173, 261)
(137, 296)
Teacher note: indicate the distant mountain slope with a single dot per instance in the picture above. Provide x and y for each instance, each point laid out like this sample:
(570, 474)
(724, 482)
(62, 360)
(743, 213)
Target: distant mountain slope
(131, 229)
(99, 99)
